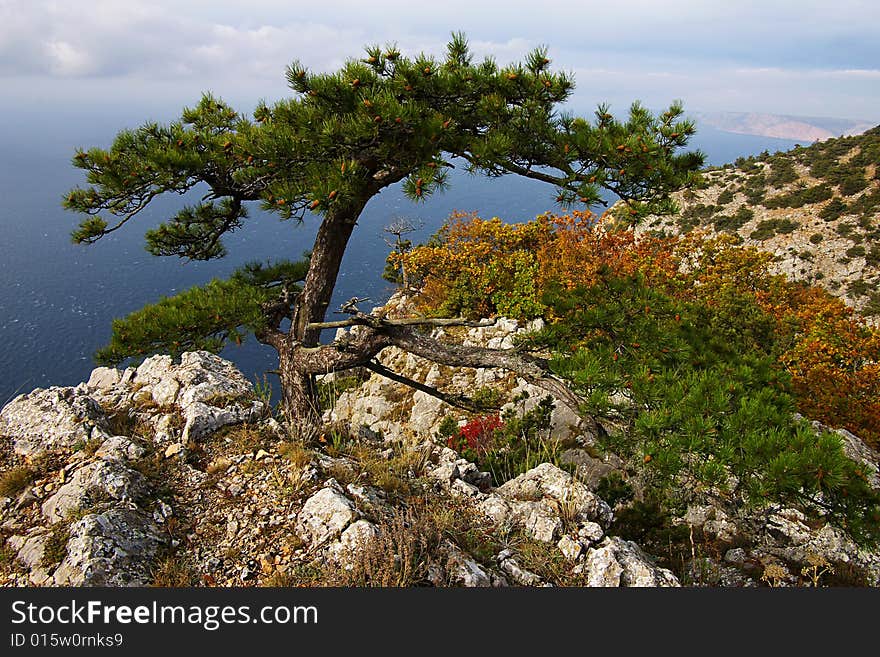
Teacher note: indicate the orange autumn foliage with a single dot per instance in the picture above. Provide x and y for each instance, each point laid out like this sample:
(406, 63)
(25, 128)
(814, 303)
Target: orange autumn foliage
(478, 267)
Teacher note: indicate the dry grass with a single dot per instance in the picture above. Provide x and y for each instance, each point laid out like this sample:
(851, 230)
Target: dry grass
(412, 540)
(296, 453)
(342, 471)
(13, 482)
(55, 547)
(398, 556)
(171, 572)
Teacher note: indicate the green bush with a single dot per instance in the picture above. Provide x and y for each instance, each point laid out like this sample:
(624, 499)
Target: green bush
(834, 210)
(782, 172)
(853, 183)
(858, 288)
(770, 227)
(800, 197)
(702, 408)
(845, 229)
(725, 197)
(857, 251)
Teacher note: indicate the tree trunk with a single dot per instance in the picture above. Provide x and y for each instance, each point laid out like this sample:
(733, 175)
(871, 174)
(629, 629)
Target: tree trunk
(299, 397)
(327, 253)
(298, 390)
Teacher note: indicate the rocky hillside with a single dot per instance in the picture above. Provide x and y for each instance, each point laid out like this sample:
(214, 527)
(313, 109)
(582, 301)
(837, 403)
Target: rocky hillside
(797, 128)
(816, 208)
(176, 474)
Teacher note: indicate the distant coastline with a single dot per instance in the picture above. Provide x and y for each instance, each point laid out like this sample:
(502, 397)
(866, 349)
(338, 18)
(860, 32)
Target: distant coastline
(798, 128)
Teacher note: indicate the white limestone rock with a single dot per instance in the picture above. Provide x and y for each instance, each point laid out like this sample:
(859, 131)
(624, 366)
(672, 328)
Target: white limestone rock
(570, 548)
(201, 419)
(119, 448)
(462, 570)
(104, 377)
(616, 562)
(52, 419)
(569, 496)
(98, 481)
(355, 538)
(324, 516)
(117, 547)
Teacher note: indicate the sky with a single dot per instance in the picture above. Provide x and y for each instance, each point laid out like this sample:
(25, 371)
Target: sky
(802, 58)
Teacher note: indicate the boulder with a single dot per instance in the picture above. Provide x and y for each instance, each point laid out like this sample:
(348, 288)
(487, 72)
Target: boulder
(117, 547)
(462, 570)
(356, 537)
(616, 562)
(570, 548)
(104, 377)
(52, 419)
(538, 519)
(119, 448)
(510, 567)
(324, 516)
(569, 496)
(590, 470)
(30, 550)
(201, 419)
(98, 481)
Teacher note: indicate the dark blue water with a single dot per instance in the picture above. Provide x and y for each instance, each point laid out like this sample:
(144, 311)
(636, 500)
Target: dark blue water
(57, 300)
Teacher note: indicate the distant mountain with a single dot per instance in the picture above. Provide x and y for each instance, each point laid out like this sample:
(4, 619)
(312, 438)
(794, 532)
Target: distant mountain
(797, 128)
(816, 208)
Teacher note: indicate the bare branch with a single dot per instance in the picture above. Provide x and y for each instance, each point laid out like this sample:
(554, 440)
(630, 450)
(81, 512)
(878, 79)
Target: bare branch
(459, 401)
(362, 319)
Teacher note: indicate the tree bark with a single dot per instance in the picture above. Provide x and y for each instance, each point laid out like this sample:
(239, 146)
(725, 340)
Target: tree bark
(327, 253)
(299, 398)
(297, 369)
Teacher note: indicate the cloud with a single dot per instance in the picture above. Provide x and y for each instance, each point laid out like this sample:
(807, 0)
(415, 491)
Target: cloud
(700, 51)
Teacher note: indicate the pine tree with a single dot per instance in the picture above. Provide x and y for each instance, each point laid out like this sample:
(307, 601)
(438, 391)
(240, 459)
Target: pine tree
(325, 152)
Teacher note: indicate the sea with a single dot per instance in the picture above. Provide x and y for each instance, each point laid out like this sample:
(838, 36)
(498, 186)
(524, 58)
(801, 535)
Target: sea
(57, 299)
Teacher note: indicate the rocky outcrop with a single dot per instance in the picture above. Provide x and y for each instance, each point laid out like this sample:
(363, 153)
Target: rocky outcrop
(114, 548)
(96, 482)
(393, 409)
(50, 420)
(131, 471)
(325, 515)
(97, 520)
(616, 562)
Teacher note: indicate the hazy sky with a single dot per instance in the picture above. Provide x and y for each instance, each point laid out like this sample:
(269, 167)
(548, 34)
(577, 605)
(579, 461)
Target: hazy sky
(804, 57)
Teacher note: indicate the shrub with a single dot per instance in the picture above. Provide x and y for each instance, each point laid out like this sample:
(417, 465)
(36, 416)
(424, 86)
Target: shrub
(857, 251)
(704, 416)
(800, 197)
(732, 224)
(725, 197)
(858, 288)
(521, 443)
(834, 210)
(767, 228)
(475, 438)
(741, 303)
(782, 172)
(853, 183)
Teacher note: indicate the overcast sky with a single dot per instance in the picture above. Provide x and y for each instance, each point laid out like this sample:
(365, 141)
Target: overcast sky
(803, 57)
